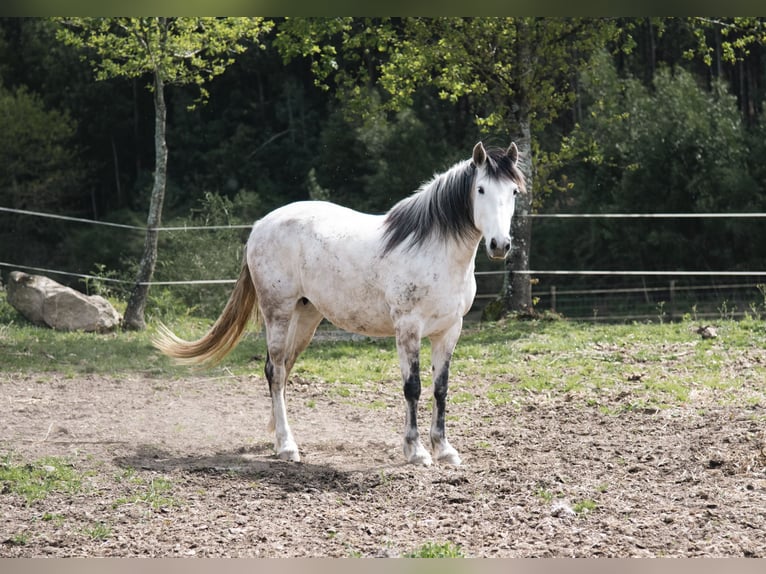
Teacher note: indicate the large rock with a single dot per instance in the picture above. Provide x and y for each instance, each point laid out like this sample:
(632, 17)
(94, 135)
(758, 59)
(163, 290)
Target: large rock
(46, 302)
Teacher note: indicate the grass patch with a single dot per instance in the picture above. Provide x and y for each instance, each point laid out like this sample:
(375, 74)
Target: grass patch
(19, 539)
(57, 519)
(545, 495)
(353, 362)
(156, 493)
(437, 550)
(98, 531)
(462, 397)
(34, 481)
(500, 393)
(584, 507)
(657, 365)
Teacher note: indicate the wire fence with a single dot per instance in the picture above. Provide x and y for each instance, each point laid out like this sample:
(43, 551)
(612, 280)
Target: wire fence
(656, 295)
(668, 301)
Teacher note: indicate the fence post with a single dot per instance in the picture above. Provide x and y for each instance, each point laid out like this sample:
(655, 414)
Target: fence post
(672, 299)
(553, 298)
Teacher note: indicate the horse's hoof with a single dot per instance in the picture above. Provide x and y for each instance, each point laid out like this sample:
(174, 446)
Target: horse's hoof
(415, 453)
(289, 454)
(452, 458)
(420, 459)
(445, 453)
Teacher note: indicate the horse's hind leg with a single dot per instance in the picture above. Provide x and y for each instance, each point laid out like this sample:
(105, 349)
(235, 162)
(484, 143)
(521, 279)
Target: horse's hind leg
(287, 335)
(303, 325)
(442, 347)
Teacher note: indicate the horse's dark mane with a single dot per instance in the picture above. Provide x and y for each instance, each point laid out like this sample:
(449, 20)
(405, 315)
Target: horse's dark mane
(443, 205)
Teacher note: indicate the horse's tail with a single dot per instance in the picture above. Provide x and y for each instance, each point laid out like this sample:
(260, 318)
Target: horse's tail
(225, 333)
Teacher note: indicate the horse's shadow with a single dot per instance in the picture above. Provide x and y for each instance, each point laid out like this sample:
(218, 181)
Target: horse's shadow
(252, 463)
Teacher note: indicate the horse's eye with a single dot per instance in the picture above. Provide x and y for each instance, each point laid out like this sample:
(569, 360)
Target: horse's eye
(480, 190)
(515, 191)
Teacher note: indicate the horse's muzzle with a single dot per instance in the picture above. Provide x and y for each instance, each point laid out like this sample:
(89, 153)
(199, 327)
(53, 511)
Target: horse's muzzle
(499, 249)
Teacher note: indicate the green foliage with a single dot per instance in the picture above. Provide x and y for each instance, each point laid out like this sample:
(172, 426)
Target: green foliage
(100, 282)
(41, 172)
(372, 163)
(735, 37)
(545, 495)
(19, 539)
(179, 50)
(202, 255)
(39, 162)
(306, 37)
(174, 51)
(671, 147)
(489, 70)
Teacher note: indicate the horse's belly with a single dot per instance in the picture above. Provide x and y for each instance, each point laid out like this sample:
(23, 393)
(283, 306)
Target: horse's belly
(356, 311)
(363, 324)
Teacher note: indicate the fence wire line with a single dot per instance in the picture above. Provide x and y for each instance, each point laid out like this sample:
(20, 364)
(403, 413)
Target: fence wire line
(738, 215)
(122, 225)
(115, 280)
(633, 290)
(477, 273)
(633, 273)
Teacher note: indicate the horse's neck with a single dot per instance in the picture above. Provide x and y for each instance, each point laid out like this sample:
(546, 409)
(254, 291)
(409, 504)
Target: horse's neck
(460, 254)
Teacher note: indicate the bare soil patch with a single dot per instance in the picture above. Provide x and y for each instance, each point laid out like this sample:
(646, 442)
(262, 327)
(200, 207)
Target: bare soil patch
(543, 476)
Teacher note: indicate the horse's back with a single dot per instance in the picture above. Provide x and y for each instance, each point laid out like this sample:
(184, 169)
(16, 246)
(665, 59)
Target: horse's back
(308, 226)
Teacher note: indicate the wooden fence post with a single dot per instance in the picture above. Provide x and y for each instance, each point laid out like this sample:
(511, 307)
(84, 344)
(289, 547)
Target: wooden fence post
(672, 299)
(553, 298)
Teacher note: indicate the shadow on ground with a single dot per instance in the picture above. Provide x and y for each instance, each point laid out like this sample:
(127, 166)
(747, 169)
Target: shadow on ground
(255, 462)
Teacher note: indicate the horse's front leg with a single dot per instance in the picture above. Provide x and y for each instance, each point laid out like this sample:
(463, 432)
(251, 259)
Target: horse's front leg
(442, 346)
(408, 347)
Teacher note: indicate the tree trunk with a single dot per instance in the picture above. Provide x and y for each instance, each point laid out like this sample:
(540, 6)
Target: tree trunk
(517, 292)
(134, 314)
(517, 297)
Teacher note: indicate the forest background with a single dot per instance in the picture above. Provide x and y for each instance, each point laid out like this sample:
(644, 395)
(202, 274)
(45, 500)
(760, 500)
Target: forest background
(621, 115)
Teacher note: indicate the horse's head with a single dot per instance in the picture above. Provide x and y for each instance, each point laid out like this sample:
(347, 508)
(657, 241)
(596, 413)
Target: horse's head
(497, 181)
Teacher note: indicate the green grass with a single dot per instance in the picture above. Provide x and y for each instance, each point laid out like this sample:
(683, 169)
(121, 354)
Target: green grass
(34, 481)
(437, 550)
(656, 364)
(545, 495)
(156, 493)
(98, 531)
(19, 539)
(57, 519)
(584, 507)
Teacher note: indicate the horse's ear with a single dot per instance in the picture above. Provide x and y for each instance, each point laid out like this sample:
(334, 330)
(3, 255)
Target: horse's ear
(513, 152)
(479, 155)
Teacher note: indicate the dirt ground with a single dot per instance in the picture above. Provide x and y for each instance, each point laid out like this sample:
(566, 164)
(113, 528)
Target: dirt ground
(543, 476)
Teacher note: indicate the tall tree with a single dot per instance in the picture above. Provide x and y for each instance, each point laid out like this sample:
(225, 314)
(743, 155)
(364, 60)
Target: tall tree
(516, 74)
(170, 51)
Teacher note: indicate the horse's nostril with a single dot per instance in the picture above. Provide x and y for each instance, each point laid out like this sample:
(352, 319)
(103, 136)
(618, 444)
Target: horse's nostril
(493, 244)
(507, 247)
